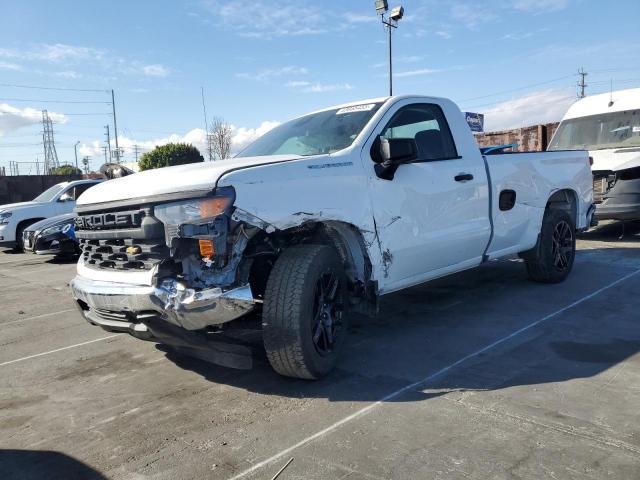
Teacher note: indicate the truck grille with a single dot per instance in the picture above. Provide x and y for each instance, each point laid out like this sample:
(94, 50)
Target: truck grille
(121, 240)
(123, 253)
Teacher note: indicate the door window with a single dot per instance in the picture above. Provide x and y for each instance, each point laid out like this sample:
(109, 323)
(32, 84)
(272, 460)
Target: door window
(426, 124)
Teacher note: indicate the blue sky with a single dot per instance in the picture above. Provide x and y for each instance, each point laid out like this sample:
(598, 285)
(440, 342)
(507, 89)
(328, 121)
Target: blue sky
(261, 62)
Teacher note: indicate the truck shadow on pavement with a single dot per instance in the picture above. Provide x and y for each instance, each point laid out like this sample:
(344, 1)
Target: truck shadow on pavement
(428, 328)
(44, 465)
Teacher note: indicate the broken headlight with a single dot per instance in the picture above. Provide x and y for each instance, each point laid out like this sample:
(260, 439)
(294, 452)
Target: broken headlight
(199, 219)
(192, 211)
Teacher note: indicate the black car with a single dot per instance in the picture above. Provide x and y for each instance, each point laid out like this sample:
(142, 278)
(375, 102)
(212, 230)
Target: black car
(52, 236)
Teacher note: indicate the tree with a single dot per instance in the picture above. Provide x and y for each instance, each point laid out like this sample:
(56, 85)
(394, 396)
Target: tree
(219, 138)
(66, 170)
(169, 155)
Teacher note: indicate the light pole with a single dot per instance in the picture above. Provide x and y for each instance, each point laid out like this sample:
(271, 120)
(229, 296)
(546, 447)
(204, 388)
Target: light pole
(391, 21)
(75, 150)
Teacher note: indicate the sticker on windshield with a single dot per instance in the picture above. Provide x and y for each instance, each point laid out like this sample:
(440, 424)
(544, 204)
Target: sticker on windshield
(356, 108)
(636, 129)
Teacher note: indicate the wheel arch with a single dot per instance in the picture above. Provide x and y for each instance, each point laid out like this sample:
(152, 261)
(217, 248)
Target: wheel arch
(345, 238)
(27, 221)
(564, 199)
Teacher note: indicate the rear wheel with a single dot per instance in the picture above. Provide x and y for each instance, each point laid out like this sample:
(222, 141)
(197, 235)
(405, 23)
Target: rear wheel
(551, 260)
(304, 316)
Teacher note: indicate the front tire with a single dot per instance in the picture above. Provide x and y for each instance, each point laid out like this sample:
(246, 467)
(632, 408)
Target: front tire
(19, 246)
(551, 260)
(304, 320)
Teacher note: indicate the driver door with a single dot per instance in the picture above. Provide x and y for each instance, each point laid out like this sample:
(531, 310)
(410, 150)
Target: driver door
(429, 221)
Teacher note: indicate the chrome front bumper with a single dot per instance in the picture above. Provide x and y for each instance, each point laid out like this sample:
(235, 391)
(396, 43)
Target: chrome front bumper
(120, 306)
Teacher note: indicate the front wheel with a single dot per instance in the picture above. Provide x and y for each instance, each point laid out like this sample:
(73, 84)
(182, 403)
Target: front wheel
(551, 260)
(304, 320)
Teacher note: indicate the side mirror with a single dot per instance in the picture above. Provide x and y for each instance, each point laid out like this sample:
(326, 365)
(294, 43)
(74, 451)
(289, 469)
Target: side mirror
(65, 197)
(393, 152)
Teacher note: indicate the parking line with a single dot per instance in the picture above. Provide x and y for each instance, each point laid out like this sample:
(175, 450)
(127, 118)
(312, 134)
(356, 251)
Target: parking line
(423, 381)
(38, 316)
(58, 350)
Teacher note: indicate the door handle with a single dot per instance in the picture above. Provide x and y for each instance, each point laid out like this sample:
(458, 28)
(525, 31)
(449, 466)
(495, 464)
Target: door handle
(463, 177)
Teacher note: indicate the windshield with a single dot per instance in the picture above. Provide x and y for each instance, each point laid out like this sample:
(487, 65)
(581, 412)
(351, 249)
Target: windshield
(315, 134)
(50, 194)
(598, 132)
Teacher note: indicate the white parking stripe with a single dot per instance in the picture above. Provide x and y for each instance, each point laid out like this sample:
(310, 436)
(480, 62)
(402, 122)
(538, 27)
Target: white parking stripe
(38, 316)
(422, 382)
(58, 350)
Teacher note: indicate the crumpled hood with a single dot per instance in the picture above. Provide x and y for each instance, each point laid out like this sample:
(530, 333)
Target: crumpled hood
(17, 206)
(616, 159)
(182, 178)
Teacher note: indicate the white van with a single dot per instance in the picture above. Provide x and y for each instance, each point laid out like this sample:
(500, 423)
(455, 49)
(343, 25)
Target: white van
(608, 125)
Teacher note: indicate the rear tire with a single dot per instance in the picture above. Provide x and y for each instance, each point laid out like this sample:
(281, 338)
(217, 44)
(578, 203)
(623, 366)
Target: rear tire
(551, 260)
(304, 312)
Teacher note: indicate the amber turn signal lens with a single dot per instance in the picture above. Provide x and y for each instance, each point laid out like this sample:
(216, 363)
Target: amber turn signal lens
(213, 206)
(206, 248)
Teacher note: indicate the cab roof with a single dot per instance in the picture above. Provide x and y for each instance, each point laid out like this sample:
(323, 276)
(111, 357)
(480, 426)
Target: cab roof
(628, 99)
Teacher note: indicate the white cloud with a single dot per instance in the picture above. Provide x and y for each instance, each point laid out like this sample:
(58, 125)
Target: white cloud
(472, 15)
(261, 18)
(77, 56)
(540, 6)
(242, 137)
(10, 66)
(443, 34)
(12, 118)
(53, 53)
(417, 72)
(351, 17)
(531, 109)
(269, 73)
(155, 70)
(317, 87)
(297, 84)
(517, 36)
(68, 74)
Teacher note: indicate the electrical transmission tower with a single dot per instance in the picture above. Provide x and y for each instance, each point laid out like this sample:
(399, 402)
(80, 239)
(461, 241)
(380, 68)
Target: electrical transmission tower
(136, 151)
(581, 84)
(50, 154)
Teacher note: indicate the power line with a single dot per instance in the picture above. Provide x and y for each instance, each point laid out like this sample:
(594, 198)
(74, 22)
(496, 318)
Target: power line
(14, 85)
(524, 87)
(85, 114)
(49, 101)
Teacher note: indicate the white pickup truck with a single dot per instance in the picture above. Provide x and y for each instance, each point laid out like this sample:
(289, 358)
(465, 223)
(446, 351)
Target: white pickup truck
(57, 200)
(320, 216)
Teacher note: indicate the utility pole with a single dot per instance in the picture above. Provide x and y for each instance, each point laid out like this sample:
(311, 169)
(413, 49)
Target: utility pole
(104, 150)
(108, 160)
(115, 126)
(136, 151)
(581, 84)
(207, 135)
(75, 150)
(391, 21)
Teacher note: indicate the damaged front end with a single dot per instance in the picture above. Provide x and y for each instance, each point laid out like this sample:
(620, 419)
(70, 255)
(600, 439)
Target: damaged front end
(617, 194)
(179, 263)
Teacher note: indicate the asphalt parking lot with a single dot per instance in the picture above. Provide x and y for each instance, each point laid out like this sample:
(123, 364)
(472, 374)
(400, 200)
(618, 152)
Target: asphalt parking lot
(480, 375)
